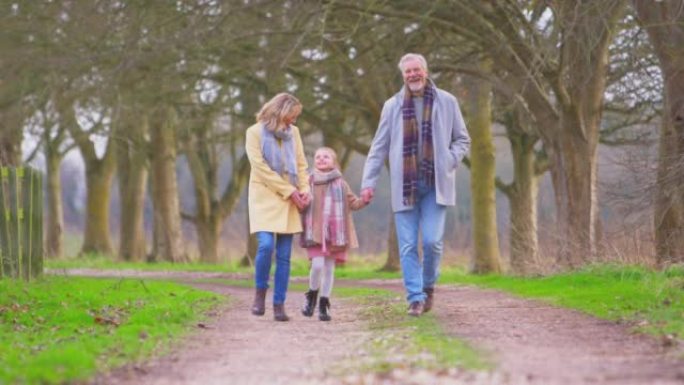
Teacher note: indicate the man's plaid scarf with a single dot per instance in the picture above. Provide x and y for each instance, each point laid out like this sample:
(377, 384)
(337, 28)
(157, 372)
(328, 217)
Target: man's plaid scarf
(329, 228)
(410, 148)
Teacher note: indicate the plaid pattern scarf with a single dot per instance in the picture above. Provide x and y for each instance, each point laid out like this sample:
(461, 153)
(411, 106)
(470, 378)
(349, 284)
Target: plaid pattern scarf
(410, 147)
(280, 158)
(329, 227)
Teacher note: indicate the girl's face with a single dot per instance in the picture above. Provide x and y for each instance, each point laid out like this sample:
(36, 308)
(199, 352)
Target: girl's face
(324, 160)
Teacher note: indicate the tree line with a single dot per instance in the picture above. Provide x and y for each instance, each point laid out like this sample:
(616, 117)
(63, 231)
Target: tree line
(159, 81)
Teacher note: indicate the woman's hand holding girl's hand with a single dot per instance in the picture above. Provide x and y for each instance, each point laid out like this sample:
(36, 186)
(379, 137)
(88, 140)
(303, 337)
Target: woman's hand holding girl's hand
(301, 200)
(306, 199)
(297, 200)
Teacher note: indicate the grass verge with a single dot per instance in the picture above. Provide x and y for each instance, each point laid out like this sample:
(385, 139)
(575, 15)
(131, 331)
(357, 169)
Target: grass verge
(64, 329)
(652, 300)
(405, 342)
(358, 268)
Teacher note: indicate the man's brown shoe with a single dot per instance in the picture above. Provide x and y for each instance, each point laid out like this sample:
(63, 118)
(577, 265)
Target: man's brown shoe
(429, 299)
(415, 309)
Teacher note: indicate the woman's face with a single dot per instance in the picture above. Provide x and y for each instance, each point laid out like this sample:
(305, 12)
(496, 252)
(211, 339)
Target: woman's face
(291, 118)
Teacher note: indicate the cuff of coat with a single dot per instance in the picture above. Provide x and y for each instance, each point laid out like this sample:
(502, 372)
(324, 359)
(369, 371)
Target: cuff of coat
(287, 194)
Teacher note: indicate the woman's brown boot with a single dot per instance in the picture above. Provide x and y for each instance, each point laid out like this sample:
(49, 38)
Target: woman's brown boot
(279, 313)
(259, 305)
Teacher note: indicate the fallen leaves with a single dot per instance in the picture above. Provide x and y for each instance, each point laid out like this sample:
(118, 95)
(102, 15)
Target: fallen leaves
(109, 316)
(106, 321)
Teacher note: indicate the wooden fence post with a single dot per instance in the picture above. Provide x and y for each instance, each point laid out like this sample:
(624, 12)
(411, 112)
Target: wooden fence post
(21, 223)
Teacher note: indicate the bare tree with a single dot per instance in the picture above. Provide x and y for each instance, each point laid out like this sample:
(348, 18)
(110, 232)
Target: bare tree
(10, 143)
(131, 139)
(99, 175)
(168, 240)
(664, 22)
(478, 111)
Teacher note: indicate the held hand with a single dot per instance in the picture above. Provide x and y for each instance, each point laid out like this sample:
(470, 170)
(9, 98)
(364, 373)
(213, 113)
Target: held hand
(367, 194)
(306, 199)
(297, 200)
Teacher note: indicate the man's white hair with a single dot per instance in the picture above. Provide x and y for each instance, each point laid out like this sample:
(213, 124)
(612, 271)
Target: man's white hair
(412, 56)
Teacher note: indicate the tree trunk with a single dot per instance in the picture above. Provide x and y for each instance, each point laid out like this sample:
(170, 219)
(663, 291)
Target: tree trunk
(203, 160)
(55, 217)
(10, 143)
(96, 238)
(165, 190)
(669, 200)
(579, 88)
(574, 178)
(99, 177)
(486, 258)
(393, 262)
(133, 174)
(250, 253)
(664, 23)
(203, 164)
(522, 197)
(208, 234)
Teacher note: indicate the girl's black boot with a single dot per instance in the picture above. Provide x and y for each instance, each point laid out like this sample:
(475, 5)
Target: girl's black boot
(324, 309)
(310, 306)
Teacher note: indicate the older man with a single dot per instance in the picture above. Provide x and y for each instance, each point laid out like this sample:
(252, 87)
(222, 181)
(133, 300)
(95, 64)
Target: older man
(422, 132)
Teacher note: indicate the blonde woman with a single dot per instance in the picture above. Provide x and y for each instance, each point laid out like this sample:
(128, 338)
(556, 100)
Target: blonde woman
(278, 190)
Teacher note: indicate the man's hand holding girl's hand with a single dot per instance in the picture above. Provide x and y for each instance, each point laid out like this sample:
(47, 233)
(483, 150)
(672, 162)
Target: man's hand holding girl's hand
(367, 195)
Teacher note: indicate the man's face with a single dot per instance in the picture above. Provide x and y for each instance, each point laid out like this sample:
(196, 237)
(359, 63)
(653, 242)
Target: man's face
(415, 76)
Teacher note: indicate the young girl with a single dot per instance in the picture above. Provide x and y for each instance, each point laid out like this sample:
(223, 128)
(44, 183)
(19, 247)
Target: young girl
(328, 229)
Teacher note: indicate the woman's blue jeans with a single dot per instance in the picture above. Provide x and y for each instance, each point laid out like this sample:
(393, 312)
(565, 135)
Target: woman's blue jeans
(282, 243)
(429, 218)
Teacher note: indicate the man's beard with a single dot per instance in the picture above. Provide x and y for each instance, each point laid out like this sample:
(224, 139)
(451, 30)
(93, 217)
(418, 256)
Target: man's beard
(416, 86)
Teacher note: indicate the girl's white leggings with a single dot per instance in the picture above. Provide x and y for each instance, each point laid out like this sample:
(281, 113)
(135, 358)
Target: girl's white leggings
(322, 275)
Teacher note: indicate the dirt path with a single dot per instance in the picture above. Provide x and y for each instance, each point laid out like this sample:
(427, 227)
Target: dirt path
(530, 343)
(539, 344)
(238, 348)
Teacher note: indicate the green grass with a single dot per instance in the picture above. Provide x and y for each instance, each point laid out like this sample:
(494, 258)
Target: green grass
(65, 329)
(400, 341)
(106, 263)
(358, 268)
(652, 300)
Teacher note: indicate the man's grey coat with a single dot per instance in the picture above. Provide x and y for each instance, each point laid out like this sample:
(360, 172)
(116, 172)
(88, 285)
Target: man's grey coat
(450, 142)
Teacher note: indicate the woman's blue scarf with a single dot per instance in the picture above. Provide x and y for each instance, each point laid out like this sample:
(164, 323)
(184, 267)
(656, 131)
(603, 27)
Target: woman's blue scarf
(280, 158)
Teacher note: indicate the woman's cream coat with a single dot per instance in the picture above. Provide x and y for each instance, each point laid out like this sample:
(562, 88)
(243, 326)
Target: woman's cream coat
(270, 207)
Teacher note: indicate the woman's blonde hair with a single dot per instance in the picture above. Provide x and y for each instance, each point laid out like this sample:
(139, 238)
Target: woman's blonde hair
(332, 152)
(274, 112)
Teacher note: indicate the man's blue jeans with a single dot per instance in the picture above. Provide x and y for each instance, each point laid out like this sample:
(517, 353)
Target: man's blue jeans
(282, 243)
(428, 217)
